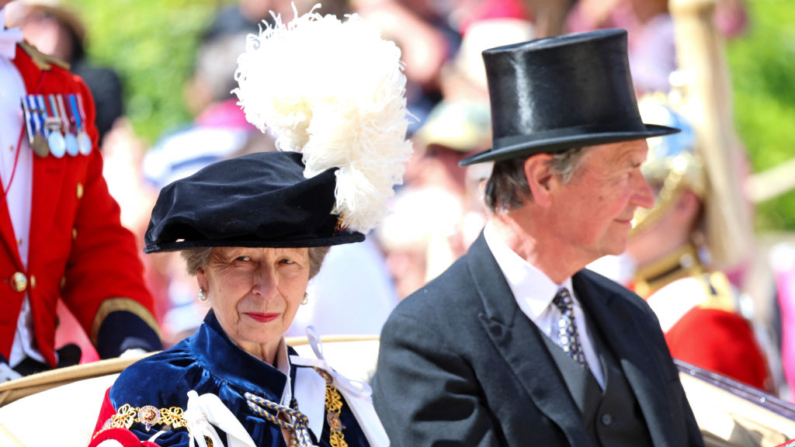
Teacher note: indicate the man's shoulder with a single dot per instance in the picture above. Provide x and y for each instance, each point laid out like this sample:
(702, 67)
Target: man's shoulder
(453, 287)
(606, 286)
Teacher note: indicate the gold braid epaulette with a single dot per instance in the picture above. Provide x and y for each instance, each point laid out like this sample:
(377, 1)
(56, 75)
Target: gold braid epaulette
(147, 415)
(43, 61)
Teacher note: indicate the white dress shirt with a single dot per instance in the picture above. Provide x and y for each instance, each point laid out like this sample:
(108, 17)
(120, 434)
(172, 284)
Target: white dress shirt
(19, 196)
(534, 291)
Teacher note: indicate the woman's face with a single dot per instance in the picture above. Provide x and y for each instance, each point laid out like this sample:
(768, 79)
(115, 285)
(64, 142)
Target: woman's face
(255, 293)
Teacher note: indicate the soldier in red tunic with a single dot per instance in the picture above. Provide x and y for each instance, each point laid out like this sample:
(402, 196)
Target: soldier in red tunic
(60, 232)
(676, 247)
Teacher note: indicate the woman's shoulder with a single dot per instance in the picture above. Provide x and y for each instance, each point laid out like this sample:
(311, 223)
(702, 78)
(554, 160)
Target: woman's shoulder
(162, 378)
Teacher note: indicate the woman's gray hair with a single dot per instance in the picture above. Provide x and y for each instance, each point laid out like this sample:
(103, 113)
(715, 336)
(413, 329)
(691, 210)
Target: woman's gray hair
(198, 258)
(507, 188)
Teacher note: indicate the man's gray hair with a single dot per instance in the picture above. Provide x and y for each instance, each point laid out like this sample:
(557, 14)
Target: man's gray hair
(507, 188)
(199, 258)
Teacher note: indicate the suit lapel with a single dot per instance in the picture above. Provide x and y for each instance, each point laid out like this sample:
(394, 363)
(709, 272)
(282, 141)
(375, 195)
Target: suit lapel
(620, 332)
(519, 342)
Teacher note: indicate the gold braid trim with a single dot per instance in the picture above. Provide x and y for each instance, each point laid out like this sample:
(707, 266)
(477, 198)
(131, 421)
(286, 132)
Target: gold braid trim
(147, 415)
(43, 61)
(333, 409)
(122, 304)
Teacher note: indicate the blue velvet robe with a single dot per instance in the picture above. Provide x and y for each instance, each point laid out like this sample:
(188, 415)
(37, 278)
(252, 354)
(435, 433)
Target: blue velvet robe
(209, 362)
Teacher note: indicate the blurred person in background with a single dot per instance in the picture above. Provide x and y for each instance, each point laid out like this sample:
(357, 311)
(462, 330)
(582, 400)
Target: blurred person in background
(652, 50)
(246, 16)
(57, 30)
(437, 188)
(676, 246)
(426, 40)
(60, 227)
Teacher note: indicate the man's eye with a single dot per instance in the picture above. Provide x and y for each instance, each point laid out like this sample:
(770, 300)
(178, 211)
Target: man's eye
(242, 258)
(287, 261)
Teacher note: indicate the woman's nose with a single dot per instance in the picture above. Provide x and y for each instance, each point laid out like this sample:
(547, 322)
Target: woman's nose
(265, 286)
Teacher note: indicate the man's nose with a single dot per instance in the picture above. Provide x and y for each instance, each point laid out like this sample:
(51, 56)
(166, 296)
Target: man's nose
(643, 196)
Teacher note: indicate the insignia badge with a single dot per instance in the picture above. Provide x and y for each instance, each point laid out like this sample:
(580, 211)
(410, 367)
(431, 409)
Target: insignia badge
(149, 416)
(334, 421)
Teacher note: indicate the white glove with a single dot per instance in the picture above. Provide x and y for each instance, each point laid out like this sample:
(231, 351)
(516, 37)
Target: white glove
(132, 353)
(6, 373)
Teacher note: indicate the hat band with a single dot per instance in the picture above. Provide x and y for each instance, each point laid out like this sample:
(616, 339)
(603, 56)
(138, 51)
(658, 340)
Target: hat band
(635, 125)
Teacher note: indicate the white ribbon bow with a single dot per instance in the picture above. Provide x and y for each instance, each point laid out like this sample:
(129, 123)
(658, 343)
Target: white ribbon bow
(355, 392)
(207, 410)
(354, 388)
(9, 38)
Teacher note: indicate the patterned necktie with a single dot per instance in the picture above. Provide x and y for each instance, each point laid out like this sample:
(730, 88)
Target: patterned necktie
(568, 338)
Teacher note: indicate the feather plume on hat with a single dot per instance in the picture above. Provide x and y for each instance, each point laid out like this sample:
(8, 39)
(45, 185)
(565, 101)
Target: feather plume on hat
(335, 92)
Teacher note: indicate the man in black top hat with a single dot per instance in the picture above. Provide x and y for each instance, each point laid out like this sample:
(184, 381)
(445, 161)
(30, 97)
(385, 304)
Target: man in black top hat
(515, 344)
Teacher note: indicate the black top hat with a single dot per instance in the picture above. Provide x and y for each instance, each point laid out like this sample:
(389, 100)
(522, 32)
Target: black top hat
(552, 94)
(259, 200)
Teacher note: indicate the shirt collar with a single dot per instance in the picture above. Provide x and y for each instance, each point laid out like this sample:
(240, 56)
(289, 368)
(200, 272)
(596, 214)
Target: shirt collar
(532, 288)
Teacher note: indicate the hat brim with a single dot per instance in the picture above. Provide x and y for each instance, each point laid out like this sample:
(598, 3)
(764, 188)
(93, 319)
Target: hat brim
(346, 238)
(561, 143)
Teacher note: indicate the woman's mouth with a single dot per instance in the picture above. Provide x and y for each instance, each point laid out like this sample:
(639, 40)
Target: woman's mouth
(262, 317)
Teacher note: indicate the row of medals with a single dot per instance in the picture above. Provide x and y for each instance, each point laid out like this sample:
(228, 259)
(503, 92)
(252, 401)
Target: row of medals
(52, 129)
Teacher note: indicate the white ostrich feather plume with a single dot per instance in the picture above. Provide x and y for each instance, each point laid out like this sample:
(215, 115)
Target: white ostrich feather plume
(334, 91)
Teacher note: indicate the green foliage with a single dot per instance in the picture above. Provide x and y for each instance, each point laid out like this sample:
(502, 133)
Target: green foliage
(763, 72)
(151, 43)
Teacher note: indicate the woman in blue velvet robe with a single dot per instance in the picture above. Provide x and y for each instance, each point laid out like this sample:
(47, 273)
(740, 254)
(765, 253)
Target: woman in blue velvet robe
(254, 230)
(235, 382)
(209, 362)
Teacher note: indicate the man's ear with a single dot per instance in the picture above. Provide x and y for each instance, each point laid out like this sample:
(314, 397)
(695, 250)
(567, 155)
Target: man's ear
(538, 173)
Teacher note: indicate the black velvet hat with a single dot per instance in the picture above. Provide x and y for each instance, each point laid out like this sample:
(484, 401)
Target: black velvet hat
(552, 94)
(259, 200)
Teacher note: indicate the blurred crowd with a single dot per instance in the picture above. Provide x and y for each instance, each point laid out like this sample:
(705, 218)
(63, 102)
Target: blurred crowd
(438, 211)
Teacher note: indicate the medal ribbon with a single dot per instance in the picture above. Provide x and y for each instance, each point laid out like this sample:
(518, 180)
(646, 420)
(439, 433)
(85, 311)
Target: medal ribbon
(54, 107)
(80, 105)
(75, 113)
(19, 142)
(35, 115)
(45, 114)
(29, 125)
(64, 116)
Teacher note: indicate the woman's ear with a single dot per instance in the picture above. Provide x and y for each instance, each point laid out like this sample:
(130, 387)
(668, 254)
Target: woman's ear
(539, 176)
(201, 278)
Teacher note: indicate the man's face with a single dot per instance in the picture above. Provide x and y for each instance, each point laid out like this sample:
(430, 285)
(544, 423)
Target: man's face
(592, 213)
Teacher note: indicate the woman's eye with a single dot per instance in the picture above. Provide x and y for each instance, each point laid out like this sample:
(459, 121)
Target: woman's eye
(242, 258)
(286, 261)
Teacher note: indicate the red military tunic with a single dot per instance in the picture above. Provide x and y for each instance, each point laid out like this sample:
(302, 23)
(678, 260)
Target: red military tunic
(698, 314)
(78, 249)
